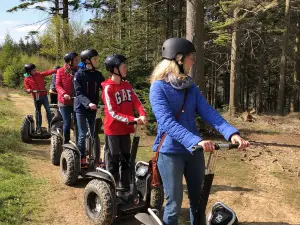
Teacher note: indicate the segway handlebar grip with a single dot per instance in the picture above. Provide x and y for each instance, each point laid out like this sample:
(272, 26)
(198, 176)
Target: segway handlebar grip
(218, 147)
(37, 91)
(132, 123)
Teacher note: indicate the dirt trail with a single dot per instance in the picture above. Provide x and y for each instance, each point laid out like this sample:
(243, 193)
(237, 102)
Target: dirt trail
(63, 204)
(265, 204)
(261, 205)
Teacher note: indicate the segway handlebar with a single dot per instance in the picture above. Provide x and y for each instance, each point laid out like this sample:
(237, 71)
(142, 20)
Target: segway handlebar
(220, 146)
(36, 91)
(53, 106)
(132, 123)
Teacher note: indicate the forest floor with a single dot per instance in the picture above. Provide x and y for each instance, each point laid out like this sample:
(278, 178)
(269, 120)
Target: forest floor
(261, 184)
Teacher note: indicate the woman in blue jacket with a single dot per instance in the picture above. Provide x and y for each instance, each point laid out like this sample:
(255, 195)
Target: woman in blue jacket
(169, 84)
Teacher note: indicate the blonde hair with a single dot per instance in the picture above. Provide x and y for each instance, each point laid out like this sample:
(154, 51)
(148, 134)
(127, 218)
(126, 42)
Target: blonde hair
(165, 67)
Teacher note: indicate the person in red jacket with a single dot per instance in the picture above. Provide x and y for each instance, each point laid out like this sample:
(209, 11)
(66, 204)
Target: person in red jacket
(64, 88)
(35, 81)
(120, 100)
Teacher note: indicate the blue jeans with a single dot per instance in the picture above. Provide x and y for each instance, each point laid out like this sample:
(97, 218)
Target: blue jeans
(38, 114)
(66, 113)
(83, 121)
(172, 167)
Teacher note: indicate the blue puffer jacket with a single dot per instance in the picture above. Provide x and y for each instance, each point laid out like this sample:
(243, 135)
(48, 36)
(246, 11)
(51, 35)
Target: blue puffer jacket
(182, 134)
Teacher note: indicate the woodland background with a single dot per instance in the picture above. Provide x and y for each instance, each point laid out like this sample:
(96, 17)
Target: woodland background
(247, 50)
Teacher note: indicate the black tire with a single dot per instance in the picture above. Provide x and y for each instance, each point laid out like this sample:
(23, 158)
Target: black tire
(69, 167)
(25, 130)
(99, 202)
(157, 198)
(55, 149)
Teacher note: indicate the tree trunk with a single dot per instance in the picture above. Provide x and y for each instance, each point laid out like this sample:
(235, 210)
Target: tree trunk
(281, 93)
(234, 69)
(56, 5)
(65, 17)
(57, 32)
(296, 76)
(147, 36)
(261, 77)
(226, 88)
(269, 93)
(209, 94)
(195, 34)
(243, 81)
(215, 90)
(169, 18)
(180, 18)
(122, 22)
(247, 93)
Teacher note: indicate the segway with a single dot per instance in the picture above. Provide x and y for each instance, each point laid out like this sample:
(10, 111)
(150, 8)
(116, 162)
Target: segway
(70, 159)
(28, 130)
(56, 127)
(57, 139)
(220, 213)
(105, 202)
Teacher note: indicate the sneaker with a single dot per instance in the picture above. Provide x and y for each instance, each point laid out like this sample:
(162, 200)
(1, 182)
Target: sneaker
(38, 131)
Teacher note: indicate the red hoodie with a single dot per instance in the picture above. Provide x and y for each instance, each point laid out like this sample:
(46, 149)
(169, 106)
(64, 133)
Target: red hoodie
(64, 85)
(119, 100)
(36, 82)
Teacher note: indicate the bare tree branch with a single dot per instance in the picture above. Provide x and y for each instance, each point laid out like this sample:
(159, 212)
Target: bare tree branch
(24, 25)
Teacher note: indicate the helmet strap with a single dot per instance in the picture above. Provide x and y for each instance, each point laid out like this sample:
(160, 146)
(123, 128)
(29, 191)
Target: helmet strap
(93, 68)
(119, 74)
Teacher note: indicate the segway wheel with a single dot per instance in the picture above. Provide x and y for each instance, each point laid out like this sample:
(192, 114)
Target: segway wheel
(157, 198)
(99, 202)
(25, 131)
(69, 167)
(55, 149)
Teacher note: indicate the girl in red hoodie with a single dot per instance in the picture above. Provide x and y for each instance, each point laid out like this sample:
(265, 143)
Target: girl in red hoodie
(64, 88)
(34, 81)
(120, 100)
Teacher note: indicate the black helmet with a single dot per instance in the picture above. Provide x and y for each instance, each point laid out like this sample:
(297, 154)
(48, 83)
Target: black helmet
(70, 56)
(88, 54)
(56, 67)
(114, 61)
(174, 46)
(29, 67)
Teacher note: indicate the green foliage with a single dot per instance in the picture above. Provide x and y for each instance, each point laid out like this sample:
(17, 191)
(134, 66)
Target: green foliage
(8, 51)
(16, 185)
(13, 74)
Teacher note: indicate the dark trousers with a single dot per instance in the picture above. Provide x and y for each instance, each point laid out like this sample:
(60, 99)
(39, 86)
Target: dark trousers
(53, 98)
(117, 158)
(83, 121)
(43, 100)
(66, 113)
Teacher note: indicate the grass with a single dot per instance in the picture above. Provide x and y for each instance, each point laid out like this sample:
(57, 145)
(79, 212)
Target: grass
(18, 205)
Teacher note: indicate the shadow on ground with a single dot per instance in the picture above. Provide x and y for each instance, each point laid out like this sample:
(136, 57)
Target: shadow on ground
(217, 188)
